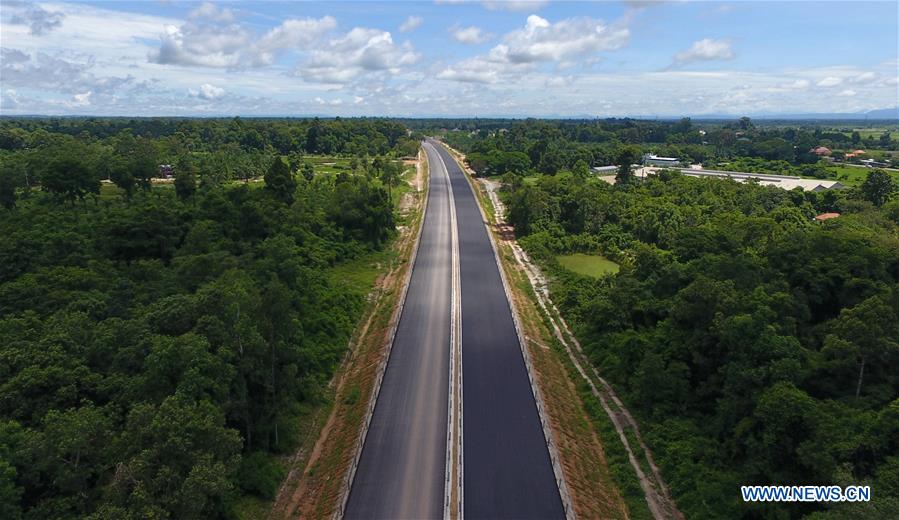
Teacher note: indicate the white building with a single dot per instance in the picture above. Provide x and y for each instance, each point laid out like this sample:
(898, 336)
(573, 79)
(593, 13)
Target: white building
(654, 160)
(787, 182)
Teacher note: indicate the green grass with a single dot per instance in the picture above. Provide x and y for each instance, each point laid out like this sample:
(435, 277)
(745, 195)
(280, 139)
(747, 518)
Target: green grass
(588, 265)
(855, 175)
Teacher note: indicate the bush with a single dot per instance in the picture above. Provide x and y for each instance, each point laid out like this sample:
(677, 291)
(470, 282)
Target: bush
(259, 474)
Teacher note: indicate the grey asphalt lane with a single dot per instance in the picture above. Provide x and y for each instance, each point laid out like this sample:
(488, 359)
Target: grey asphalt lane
(402, 467)
(507, 470)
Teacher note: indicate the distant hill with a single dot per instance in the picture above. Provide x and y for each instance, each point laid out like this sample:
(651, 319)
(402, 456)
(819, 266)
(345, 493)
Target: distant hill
(879, 114)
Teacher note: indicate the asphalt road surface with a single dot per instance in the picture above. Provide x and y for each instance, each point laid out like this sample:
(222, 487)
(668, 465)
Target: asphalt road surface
(402, 467)
(507, 472)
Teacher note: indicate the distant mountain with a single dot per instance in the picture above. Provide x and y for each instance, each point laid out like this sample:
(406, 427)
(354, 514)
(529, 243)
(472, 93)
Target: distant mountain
(879, 114)
(884, 113)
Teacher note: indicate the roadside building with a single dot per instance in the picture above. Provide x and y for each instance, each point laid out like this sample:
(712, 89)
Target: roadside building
(786, 182)
(821, 151)
(655, 160)
(871, 163)
(166, 171)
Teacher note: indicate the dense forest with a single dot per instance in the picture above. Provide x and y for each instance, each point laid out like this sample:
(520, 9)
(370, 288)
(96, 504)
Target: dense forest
(159, 340)
(756, 345)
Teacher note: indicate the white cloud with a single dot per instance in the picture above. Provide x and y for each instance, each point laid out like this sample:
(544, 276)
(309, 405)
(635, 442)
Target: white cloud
(864, 77)
(207, 92)
(212, 12)
(471, 35)
(411, 23)
(799, 84)
(38, 20)
(359, 51)
(232, 46)
(46, 72)
(830, 81)
(847, 93)
(514, 5)
(483, 69)
(705, 49)
(539, 41)
(9, 100)
(83, 99)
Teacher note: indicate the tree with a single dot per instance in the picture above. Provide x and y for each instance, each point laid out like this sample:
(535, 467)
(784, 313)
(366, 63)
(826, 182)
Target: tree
(627, 156)
(68, 175)
(179, 460)
(7, 189)
(280, 182)
(120, 175)
(856, 138)
(390, 174)
(309, 171)
(870, 329)
(581, 170)
(185, 180)
(878, 187)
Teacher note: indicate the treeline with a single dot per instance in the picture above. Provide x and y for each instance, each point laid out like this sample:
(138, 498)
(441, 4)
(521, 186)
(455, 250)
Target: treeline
(70, 157)
(548, 147)
(158, 346)
(756, 345)
(306, 136)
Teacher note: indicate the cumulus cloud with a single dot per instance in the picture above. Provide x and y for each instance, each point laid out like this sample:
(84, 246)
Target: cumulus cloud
(799, 84)
(705, 49)
(864, 77)
(359, 51)
(68, 84)
(81, 100)
(830, 81)
(483, 69)
(9, 99)
(212, 12)
(539, 41)
(847, 93)
(471, 35)
(411, 23)
(38, 20)
(44, 71)
(231, 46)
(207, 92)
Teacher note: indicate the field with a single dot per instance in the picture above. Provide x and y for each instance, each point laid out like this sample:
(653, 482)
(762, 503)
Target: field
(595, 266)
(855, 175)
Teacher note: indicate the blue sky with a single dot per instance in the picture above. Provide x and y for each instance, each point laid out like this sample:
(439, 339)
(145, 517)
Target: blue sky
(447, 58)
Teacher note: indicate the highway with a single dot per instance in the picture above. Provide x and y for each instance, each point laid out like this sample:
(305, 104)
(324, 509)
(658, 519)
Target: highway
(507, 471)
(401, 471)
(505, 462)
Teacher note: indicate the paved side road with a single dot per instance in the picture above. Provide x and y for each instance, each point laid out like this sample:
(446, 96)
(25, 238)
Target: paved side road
(402, 468)
(507, 469)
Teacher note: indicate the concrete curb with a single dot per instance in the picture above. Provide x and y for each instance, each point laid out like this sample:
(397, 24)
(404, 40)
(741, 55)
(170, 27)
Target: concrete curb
(535, 389)
(382, 365)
